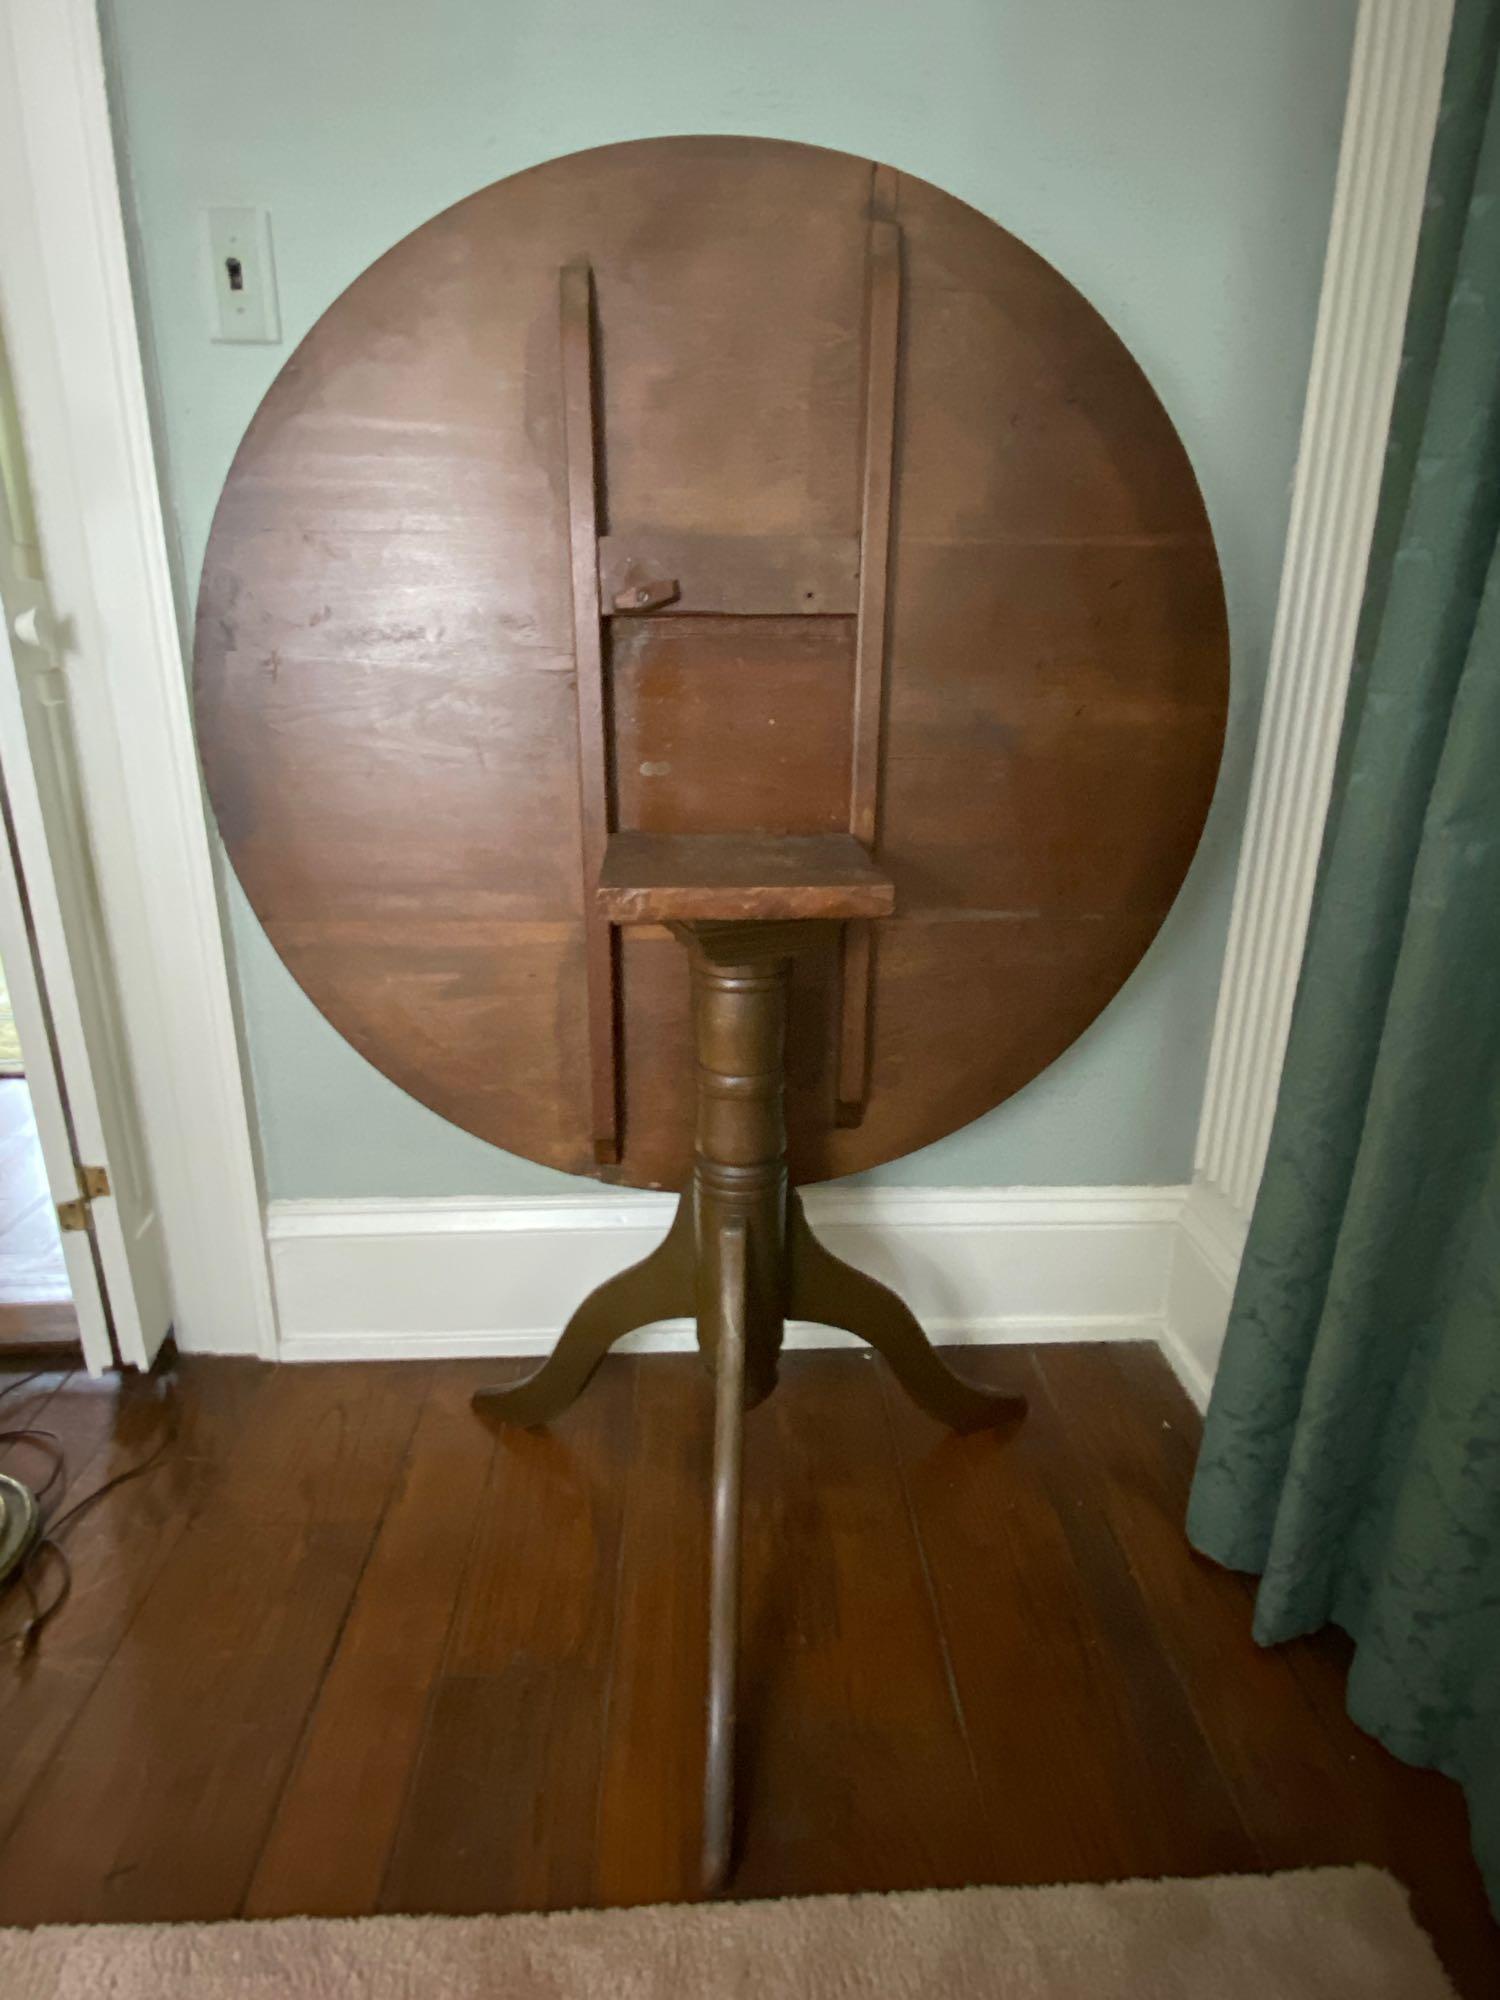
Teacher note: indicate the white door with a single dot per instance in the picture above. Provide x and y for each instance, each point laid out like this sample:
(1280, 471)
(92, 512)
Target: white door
(56, 955)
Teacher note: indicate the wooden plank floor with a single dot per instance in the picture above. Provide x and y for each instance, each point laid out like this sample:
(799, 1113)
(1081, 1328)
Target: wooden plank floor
(344, 1651)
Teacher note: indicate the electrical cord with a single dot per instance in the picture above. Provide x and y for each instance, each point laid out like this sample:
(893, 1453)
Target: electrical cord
(24, 1641)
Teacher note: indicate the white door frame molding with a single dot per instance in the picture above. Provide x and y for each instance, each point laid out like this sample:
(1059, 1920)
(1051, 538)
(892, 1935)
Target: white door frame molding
(70, 323)
(1395, 85)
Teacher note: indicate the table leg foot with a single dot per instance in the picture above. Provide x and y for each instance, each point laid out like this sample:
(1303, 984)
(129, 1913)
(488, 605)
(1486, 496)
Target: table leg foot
(822, 1288)
(659, 1287)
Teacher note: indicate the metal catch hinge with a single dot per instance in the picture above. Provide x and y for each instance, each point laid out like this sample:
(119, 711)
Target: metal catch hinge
(75, 1214)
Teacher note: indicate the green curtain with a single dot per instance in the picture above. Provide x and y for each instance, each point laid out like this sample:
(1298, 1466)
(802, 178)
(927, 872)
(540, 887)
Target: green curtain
(1351, 1453)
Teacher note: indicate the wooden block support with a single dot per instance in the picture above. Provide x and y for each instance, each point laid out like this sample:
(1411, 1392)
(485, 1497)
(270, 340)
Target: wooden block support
(881, 361)
(650, 878)
(600, 946)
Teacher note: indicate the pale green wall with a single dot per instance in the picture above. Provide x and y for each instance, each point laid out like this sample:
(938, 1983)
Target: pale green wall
(1174, 158)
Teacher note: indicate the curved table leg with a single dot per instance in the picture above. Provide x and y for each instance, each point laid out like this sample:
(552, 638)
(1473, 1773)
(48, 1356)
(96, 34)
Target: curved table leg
(823, 1288)
(724, 1560)
(659, 1287)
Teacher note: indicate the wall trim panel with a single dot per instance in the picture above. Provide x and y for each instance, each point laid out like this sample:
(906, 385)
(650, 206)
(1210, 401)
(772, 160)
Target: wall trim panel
(1395, 87)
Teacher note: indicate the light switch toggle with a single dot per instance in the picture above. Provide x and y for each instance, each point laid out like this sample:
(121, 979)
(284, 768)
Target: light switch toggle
(242, 277)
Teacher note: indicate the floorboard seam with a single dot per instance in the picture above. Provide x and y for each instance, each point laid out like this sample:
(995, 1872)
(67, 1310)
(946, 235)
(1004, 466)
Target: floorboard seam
(950, 1675)
(440, 1674)
(1166, 1649)
(299, 1748)
(614, 1639)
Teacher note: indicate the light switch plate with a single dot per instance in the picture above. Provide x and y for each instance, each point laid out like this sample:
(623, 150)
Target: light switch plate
(242, 277)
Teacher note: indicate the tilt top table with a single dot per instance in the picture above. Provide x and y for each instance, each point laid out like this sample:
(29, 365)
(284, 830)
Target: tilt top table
(731, 545)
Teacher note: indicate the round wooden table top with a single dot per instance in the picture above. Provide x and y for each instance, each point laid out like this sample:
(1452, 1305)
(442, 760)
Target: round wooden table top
(385, 657)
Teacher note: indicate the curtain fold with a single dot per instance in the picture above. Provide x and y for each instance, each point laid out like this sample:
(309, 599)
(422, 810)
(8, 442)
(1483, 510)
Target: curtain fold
(1351, 1451)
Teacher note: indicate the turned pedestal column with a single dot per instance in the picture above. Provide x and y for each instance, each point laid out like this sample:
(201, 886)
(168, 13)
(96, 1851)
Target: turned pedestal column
(741, 1259)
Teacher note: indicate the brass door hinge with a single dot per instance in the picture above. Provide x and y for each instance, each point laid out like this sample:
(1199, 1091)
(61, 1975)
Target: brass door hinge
(75, 1214)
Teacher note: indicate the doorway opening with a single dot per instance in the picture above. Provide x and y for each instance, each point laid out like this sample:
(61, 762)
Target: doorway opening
(36, 1300)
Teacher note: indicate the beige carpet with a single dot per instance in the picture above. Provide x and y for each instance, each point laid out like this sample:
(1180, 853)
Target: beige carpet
(1320, 1934)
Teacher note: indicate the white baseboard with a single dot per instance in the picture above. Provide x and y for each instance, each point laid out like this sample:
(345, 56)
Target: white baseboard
(1200, 1287)
(389, 1280)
